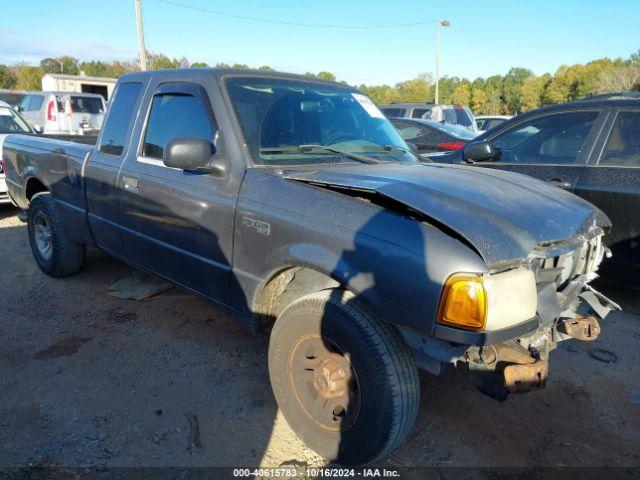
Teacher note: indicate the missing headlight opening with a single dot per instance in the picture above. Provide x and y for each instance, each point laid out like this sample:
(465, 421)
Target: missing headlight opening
(547, 296)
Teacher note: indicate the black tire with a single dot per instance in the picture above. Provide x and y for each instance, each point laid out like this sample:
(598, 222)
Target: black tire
(63, 256)
(382, 380)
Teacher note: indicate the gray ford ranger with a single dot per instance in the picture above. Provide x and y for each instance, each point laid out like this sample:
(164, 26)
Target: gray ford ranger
(295, 205)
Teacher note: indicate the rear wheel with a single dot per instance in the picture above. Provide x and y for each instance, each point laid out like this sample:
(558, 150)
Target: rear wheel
(345, 381)
(55, 253)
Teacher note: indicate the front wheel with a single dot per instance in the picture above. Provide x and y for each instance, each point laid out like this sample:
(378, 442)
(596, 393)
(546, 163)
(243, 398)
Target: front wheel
(345, 381)
(55, 253)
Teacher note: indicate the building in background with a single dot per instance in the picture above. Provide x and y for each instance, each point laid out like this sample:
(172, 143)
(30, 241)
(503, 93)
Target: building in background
(58, 82)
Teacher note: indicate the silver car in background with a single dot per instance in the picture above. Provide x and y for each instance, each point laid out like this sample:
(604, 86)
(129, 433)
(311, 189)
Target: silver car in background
(10, 122)
(450, 114)
(63, 112)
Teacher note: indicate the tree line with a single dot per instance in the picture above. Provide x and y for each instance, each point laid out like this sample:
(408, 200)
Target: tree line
(517, 91)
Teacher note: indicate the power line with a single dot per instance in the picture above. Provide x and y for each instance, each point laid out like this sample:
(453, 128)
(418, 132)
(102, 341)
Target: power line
(294, 24)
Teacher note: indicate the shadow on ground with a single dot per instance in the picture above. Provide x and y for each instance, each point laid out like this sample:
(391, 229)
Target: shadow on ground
(90, 380)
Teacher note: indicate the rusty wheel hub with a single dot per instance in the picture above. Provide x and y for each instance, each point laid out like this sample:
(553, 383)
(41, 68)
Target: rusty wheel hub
(324, 383)
(330, 379)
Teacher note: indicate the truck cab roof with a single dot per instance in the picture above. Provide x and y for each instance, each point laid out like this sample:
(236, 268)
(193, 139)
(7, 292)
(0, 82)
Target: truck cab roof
(222, 72)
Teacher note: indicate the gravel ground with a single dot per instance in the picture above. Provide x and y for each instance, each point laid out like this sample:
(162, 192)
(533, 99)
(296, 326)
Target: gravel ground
(88, 380)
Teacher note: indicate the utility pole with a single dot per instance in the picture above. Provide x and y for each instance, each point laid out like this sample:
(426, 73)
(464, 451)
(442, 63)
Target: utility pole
(143, 52)
(440, 23)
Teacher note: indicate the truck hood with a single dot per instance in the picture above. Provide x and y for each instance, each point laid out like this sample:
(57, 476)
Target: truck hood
(503, 215)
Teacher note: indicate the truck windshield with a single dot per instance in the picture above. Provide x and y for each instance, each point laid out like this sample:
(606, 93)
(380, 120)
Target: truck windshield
(280, 118)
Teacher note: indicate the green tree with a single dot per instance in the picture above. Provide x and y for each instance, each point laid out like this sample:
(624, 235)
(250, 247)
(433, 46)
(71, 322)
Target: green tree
(28, 78)
(322, 75)
(462, 94)
(479, 100)
(95, 68)
(380, 93)
(7, 77)
(415, 90)
(159, 61)
(199, 65)
(493, 90)
(512, 87)
(447, 85)
(266, 68)
(65, 64)
(326, 76)
(559, 88)
(532, 92)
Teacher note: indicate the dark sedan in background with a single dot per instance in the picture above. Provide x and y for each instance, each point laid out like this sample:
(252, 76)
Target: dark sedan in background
(431, 136)
(589, 147)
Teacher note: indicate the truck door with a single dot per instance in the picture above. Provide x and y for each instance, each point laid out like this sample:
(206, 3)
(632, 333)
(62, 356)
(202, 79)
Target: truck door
(178, 224)
(102, 169)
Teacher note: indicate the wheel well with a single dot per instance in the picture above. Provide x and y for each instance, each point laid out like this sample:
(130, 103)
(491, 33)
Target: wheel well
(286, 286)
(34, 186)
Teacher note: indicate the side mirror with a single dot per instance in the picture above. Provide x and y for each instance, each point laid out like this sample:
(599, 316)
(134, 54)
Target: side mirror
(478, 152)
(39, 129)
(193, 154)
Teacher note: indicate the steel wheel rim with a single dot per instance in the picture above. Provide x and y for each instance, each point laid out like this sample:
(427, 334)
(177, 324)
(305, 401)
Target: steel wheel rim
(43, 236)
(324, 383)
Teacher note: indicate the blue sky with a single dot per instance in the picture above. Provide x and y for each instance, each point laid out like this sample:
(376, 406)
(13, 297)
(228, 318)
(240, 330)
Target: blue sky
(485, 38)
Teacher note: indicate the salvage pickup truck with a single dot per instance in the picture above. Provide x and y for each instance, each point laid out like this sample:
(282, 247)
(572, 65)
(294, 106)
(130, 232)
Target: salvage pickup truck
(294, 204)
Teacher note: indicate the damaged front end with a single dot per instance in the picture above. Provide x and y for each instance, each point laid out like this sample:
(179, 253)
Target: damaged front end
(567, 307)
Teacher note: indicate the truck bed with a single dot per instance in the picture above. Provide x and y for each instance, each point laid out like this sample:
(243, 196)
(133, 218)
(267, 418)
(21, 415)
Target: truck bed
(84, 139)
(52, 163)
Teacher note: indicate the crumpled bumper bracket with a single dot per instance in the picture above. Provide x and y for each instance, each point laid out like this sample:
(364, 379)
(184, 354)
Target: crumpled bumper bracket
(599, 303)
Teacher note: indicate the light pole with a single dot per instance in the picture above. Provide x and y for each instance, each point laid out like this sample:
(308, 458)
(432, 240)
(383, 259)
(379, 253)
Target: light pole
(143, 52)
(440, 23)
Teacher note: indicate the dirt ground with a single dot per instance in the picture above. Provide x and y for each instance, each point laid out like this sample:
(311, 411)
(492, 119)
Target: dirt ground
(88, 380)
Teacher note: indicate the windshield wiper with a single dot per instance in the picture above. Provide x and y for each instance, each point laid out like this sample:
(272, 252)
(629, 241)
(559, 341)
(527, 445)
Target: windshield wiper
(313, 147)
(392, 148)
(354, 156)
(386, 148)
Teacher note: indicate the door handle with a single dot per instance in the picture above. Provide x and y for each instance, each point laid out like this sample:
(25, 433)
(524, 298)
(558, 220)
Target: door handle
(131, 184)
(556, 182)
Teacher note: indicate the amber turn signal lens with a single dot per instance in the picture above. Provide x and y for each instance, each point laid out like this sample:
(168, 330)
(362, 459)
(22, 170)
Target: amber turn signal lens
(464, 303)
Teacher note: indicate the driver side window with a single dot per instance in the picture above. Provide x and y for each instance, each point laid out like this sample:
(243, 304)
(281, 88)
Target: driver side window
(555, 139)
(174, 115)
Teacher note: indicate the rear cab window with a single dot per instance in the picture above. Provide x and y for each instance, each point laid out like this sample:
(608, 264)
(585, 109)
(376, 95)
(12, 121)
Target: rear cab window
(117, 125)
